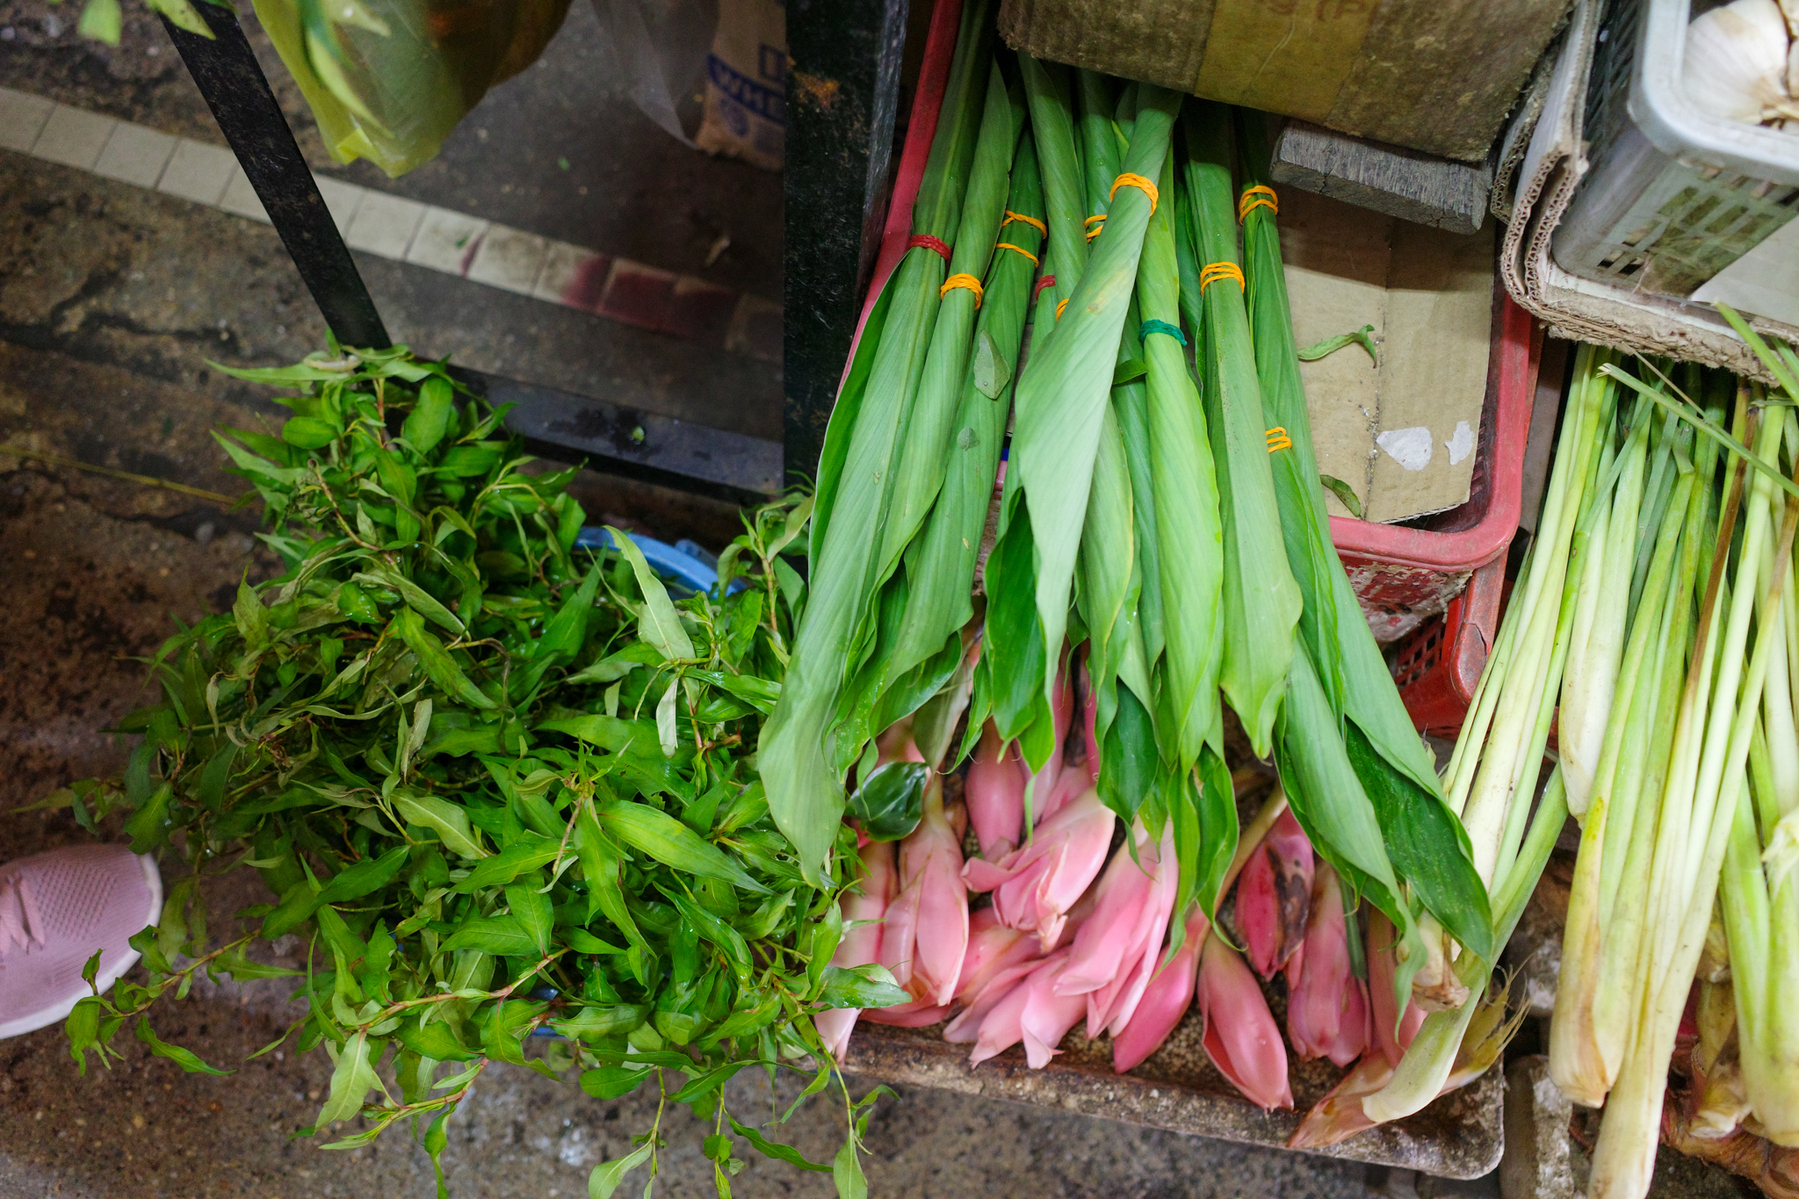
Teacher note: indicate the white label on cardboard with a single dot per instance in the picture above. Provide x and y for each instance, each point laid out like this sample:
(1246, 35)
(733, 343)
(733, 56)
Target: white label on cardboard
(1408, 447)
(1462, 444)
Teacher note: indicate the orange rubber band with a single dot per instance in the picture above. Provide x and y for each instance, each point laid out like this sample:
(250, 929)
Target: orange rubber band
(1096, 225)
(1006, 245)
(1278, 439)
(1063, 304)
(1256, 197)
(1139, 182)
(1032, 221)
(968, 281)
(1214, 271)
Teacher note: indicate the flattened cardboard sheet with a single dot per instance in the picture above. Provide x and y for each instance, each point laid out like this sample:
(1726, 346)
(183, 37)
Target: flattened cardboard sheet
(1402, 434)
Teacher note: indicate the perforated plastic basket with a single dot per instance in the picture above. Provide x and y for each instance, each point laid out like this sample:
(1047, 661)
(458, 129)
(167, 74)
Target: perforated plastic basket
(1675, 194)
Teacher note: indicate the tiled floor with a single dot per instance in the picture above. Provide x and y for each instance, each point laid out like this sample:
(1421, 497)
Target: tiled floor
(400, 229)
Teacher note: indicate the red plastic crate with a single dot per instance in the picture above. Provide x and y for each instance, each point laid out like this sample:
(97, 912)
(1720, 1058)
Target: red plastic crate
(1413, 579)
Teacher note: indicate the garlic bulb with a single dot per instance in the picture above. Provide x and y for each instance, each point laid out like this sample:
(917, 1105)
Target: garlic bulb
(1736, 62)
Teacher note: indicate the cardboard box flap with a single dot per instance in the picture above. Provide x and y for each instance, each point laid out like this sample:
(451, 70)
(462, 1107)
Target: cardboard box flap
(1402, 434)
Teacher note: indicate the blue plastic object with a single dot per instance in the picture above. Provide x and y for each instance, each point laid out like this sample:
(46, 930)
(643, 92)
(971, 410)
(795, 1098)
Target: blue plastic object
(685, 563)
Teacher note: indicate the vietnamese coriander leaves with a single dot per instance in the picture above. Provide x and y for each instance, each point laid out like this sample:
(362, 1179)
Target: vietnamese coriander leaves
(495, 782)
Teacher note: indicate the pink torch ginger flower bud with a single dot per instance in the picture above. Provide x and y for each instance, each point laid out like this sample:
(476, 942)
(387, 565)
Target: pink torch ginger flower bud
(1241, 1037)
(1134, 901)
(1165, 1000)
(1273, 894)
(927, 924)
(1040, 786)
(992, 947)
(1327, 1008)
(1383, 1005)
(1036, 884)
(1031, 1012)
(863, 910)
(995, 795)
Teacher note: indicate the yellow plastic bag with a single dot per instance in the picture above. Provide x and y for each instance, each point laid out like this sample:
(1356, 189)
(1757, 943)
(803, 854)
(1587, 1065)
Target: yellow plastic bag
(388, 79)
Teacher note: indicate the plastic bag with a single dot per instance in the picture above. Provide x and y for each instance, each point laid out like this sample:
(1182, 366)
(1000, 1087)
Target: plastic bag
(388, 80)
(659, 49)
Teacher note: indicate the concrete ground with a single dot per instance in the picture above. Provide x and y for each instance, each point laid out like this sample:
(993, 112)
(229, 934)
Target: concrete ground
(111, 299)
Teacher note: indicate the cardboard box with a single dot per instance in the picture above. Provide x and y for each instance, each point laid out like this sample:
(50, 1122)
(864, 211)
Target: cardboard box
(1432, 75)
(1402, 434)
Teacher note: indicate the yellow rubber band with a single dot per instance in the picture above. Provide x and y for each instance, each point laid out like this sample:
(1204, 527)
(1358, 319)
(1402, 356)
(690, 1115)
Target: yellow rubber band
(1278, 439)
(1139, 182)
(1214, 271)
(1258, 196)
(1032, 221)
(1061, 305)
(1006, 245)
(1095, 226)
(968, 281)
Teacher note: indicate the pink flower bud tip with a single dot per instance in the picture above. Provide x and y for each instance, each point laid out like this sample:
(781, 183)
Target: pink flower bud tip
(1273, 896)
(1241, 1037)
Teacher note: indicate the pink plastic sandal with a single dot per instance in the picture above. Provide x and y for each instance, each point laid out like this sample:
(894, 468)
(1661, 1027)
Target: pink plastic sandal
(56, 909)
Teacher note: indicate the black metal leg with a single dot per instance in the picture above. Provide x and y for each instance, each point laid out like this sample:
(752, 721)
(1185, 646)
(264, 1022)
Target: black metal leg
(622, 441)
(226, 70)
(842, 97)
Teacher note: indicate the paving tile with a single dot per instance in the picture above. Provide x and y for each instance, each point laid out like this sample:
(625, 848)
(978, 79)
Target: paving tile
(341, 199)
(73, 137)
(136, 155)
(700, 311)
(572, 275)
(756, 329)
(22, 118)
(446, 241)
(198, 171)
(384, 225)
(241, 199)
(637, 294)
(509, 259)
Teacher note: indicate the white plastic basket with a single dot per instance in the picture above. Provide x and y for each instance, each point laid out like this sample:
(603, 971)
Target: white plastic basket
(1678, 202)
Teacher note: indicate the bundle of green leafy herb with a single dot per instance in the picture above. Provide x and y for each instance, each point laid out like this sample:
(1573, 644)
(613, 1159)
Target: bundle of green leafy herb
(497, 782)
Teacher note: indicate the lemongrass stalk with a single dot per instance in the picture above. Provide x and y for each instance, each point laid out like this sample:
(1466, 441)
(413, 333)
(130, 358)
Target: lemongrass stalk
(1699, 821)
(1760, 902)
(1425, 1069)
(1507, 752)
(1546, 558)
(1577, 1060)
(1590, 680)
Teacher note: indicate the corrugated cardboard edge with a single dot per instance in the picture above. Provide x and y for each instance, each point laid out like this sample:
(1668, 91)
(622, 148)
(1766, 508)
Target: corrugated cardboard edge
(1455, 75)
(1580, 309)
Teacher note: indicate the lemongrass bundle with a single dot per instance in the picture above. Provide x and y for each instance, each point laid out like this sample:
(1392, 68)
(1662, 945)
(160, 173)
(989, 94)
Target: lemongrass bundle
(1493, 770)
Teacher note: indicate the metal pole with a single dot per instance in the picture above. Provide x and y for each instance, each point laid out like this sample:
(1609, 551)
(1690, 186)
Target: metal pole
(226, 70)
(842, 97)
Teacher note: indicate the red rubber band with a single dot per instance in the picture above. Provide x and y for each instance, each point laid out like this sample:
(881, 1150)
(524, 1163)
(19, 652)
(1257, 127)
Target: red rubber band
(1046, 281)
(933, 244)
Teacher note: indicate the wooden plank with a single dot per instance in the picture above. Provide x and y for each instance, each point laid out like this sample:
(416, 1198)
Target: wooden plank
(1404, 183)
